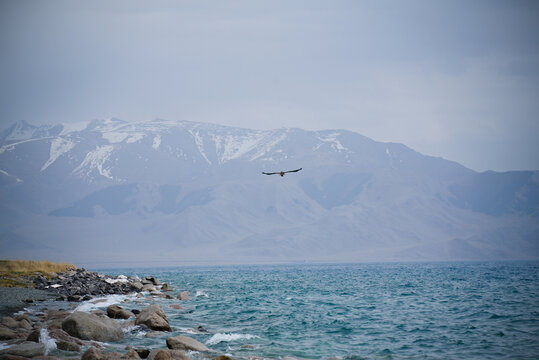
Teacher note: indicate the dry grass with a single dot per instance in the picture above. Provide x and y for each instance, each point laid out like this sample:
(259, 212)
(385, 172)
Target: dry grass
(23, 267)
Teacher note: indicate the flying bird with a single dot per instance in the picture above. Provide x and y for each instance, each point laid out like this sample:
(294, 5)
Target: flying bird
(281, 172)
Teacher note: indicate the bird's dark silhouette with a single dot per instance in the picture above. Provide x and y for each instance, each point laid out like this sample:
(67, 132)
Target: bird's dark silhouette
(281, 172)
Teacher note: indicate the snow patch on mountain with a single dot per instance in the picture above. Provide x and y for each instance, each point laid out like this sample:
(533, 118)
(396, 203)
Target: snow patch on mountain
(269, 143)
(200, 144)
(229, 147)
(69, 128)
(10, 147)
(156, 142)
(96, 159)
(9, 175)
(59, 146)
(333, 142)
(21, 131)
(114, 137)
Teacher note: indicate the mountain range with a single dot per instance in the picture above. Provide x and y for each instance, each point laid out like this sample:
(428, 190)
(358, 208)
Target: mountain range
(160, 192)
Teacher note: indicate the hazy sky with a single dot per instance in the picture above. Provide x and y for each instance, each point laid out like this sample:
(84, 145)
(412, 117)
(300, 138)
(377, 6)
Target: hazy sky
(457, 79)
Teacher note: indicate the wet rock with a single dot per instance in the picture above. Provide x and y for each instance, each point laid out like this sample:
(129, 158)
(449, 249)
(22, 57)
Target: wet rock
(67, 346)
(184, 295)
(148, 287)
(92, 327)
(163, 355)
(74, 298)
(92, 354)
(153, 317)
(222, 357)
(132, 354)
(26, 349)
(117, 312)
(143, 353)
(33, 336)
(166, 287)
(179, 355)
(185, 343)
(57, 314)
(7, 334)
(10, 322)
(25, 324)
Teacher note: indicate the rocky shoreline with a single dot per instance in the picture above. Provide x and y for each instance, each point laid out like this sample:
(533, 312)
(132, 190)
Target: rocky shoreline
(79, 335)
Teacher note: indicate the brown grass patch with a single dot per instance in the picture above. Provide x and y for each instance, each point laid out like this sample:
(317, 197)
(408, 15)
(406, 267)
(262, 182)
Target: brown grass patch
(23, 267)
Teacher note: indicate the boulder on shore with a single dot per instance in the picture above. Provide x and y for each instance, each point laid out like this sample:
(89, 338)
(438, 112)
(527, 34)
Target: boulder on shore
(153, 317)
(7, 334)
(166, 354)
(117, 312)
(92, 327)
(184, 295)
(27, 349)
(185, 343)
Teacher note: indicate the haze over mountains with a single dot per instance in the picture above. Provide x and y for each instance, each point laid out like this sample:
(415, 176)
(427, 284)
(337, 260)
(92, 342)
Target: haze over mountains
(110, 192)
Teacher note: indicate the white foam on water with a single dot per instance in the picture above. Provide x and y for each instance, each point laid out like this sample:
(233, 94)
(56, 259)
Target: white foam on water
(223, 337)
(120, 279)
(100, 302)
(135, 329)
(44, 338)
(190, 331)
(4, 346)
(26, 310)
(201, 293)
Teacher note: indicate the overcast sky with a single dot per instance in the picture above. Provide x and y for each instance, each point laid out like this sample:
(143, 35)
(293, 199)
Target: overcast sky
(456, 79)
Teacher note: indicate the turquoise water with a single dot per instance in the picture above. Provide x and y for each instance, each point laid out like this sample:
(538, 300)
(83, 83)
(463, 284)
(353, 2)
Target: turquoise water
(356, 311)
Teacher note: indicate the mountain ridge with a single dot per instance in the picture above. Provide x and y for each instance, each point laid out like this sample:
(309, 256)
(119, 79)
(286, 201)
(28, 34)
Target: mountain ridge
(197, 190)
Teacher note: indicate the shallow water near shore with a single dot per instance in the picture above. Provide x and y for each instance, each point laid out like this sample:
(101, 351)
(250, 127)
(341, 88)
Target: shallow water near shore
(353, 311)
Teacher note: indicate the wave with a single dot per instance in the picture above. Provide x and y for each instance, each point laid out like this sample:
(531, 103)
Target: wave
(223, 337)
(201, 293)
(44, 338)
(100, 302)
(119, 279)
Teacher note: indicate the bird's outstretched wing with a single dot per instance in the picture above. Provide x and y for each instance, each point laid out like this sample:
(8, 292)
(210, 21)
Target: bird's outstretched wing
(272, 173)
(289, 171)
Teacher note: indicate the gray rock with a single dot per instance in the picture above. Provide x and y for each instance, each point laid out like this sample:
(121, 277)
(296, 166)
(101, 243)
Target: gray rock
(7, 334)
(222, 357)
(92, 354)
(184, 295)
(33, 336)
(165, 354)
(136, 284)
(61, 335)
(25, 324)
(26, 349)
(132, 354)
(67, 346)
(148, 287)
(162, 354)
(116, 312)
(166, 287)
(185, 343)
(10, 322)
(92, 327)
(143, 353)
(153, 317)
